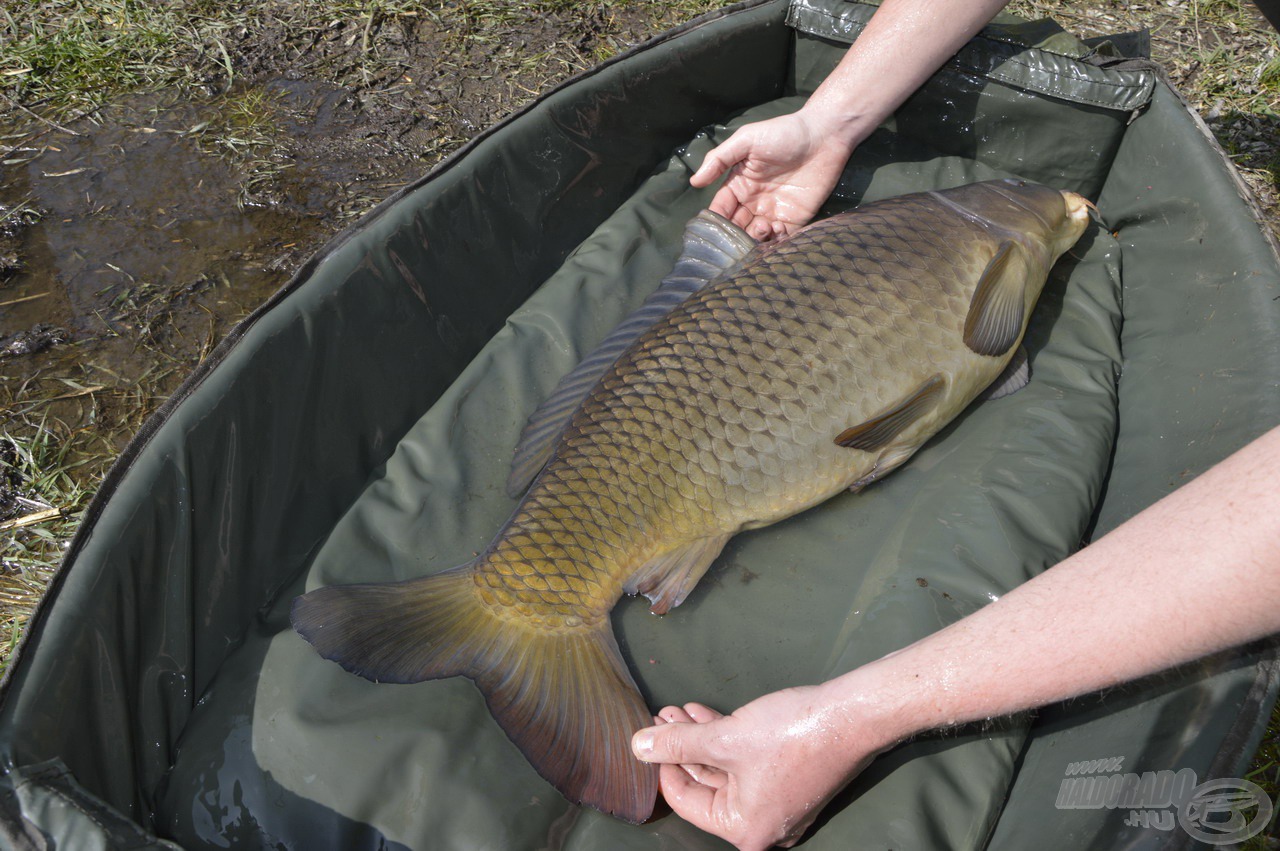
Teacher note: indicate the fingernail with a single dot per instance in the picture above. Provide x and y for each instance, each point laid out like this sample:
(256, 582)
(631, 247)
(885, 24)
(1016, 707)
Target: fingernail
(642, 744)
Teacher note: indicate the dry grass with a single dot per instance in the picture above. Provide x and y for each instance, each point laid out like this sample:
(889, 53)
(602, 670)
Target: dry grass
(41, 498)
(1223, 57)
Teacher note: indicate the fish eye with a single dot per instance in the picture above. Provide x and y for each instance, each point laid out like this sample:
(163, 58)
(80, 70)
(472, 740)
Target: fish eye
(1013, 181)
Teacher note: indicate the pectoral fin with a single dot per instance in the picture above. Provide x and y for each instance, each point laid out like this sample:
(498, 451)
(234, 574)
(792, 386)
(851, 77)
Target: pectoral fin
(876, 433)
(996, 313)
(668, 579)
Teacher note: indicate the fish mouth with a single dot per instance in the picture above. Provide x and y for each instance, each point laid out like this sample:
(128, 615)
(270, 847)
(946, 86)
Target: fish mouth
(1080, 208)
(1080, 212)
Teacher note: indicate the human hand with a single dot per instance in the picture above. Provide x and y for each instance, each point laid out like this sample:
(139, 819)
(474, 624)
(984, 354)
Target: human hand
(760, 776)
(780, 172)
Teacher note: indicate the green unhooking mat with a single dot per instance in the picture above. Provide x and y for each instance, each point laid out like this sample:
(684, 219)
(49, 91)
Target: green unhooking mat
(359, 427)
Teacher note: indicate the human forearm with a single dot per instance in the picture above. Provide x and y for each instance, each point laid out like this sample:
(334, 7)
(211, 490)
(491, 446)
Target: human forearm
(903, 44)
(1195, 573)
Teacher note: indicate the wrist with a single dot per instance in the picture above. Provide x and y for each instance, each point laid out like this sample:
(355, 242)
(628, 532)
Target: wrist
(835, 127)
(879, 702)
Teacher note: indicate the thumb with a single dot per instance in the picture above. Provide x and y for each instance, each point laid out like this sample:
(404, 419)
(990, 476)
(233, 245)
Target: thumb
(679, 742)
(718, 160)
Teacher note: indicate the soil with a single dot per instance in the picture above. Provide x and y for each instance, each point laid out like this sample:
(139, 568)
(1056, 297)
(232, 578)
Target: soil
(133, 237)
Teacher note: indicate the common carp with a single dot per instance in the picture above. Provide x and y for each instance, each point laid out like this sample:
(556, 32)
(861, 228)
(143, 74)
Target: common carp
(757, 381)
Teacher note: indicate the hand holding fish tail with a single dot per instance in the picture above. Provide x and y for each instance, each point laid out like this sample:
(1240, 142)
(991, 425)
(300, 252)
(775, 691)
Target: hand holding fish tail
(760, 776)
(1204, 561)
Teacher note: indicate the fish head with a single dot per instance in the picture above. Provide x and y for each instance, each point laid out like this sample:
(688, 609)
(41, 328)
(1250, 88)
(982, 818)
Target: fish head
(1044, 222)
(1053, 218)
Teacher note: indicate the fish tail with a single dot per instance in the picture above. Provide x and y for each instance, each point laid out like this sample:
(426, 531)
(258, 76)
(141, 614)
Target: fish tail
(565, 698)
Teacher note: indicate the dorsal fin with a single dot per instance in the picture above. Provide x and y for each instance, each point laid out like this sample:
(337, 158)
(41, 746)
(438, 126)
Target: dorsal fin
(877, 432)
(998, 308)
(713, 246)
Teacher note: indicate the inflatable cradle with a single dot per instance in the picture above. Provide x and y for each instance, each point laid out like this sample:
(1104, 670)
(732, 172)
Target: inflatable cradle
(359, 427)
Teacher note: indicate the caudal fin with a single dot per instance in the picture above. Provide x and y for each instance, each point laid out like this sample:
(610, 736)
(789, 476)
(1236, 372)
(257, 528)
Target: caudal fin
(565, 698)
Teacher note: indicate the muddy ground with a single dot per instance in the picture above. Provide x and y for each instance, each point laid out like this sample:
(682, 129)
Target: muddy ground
(137, 228)
(134, 235)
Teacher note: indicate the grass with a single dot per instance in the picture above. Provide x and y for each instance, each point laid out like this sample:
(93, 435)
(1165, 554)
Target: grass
(146, 310)
(68, 54)
(63, 59)
(18, 216)
(60, 59)
(246, 131)
(41, 499)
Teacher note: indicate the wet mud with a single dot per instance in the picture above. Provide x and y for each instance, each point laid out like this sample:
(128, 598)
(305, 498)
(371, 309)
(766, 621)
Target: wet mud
(140, 247)
(133, 237)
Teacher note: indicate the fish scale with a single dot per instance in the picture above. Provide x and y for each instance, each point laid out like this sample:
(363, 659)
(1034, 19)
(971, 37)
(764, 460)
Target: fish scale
(799, 369)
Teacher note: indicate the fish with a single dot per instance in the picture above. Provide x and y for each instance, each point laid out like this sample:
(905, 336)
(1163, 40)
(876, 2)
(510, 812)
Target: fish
(757, 380)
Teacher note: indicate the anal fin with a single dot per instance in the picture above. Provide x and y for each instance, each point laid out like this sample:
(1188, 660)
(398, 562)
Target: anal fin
(877, 432)
(668, 579)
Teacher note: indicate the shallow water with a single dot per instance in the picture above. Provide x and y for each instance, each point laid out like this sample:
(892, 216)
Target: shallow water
(140, 238)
